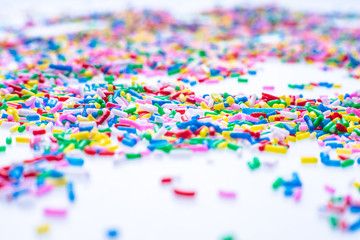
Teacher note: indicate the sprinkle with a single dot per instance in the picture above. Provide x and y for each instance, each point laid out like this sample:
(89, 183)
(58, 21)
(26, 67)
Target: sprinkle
(43, 229)
(309, 160)
(184, 193)
(53, 212)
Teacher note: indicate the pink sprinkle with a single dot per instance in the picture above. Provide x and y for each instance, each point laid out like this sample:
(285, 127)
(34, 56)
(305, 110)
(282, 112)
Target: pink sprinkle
(43, 190)
(30, 101)
(57, 107)
(224, 194)
(303, 128)
(297, 194)
(235, 106)
(71, 118)
(270, 88)
(212, 81)
(53, 212)
(321, 143)
(54, 147)
(195, 148)
(146, 153)
(235, 117)
(329, 189)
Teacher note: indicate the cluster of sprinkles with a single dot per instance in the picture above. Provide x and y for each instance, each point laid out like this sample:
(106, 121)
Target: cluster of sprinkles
(291, 187)
(311, 86)
(89, 94)
(338, 207)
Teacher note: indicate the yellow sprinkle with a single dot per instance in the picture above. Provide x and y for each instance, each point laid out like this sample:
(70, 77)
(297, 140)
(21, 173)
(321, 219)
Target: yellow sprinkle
(91, 118)
(97, 105)
(219, 106)
(288, 101)
(58, 182)
(22, 139)
(105, 141)
(112, 147)
(15, 115)
(56, 130)
(264, 105)
(182, 98)
(291, 138)
(302, 136)
(8, 96)
(99, 136)
(278, 105)
(14, 129)
(69, 148)
(32, 82)
(356, 146)
(346, 151)
(341, 97)
(230, 100)
(312, 115)
(275, 149)
(272, 117)
(309, 160)
(128, 97)
(184, 70)
(146, 115)
(351, 118)
(132, 117)
(226, 134)
(87, 73)
(43, 228)
(204, 105)
(80, 135)
(313, 135)
(222, 145)
(204, 131)
(44, 119)
(256, 128)
(40, 94)
(27, 92)
(323, 136)
(82, 119)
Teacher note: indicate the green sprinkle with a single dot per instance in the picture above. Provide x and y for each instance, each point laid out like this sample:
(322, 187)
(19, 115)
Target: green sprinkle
(133, 155)
(347, 163)
(21, 128)
(242, 80)
(278, 182)
(130, 110)
(229, 237)
(233, 146)
(333, 221)
(8, 140)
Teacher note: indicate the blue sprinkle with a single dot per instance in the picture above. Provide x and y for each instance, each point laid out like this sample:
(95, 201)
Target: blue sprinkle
(61, 67)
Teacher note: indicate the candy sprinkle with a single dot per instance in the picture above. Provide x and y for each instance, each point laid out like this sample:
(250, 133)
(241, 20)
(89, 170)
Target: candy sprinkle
(126, 92)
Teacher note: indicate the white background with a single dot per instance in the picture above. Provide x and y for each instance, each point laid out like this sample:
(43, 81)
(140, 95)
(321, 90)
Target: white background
(130, 198)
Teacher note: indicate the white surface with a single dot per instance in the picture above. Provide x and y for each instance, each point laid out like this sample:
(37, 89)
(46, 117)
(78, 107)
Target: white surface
(129, 196)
